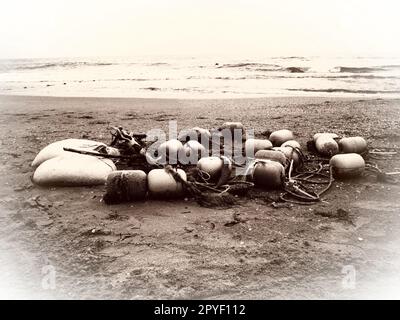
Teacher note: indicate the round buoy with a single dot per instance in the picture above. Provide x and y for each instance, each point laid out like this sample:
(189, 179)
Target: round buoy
(290, 154)
(291, 143)
(236, 130)
(325, 134)
(253, 145)
(170, 151)
(268, 174)
(212, 166)
(347, 165)
(193, 150)
(162, 184)
(353, 145)
(326, 146)
(281, 136)
(125, 186)
(272, 155)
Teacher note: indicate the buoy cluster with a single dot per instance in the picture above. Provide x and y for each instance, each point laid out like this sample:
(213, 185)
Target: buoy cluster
(269, 162)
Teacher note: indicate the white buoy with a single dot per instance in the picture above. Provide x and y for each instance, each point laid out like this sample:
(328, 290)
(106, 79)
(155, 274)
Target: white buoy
(292, 144)
(212, 166)
(56, 149)
(73, 170)
(325, 134)
(347, 165)
(280, 136)
(268, 174)
(272, 155)
(290, 154)
(353, 145)
(125, 186)
(253, 145)
(326, 145)
(193, 151)
(162, 184)
(169, 151)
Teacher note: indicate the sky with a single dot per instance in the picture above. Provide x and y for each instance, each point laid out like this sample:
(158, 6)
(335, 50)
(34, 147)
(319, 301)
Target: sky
(83, 28)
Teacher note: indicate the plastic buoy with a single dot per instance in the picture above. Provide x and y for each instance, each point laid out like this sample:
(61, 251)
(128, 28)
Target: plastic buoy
(325, 134)
(236, 129)
(253, 145)
(170, 151)
(347, 165)
(73, 169)
(212, 166)
(268, 174)
(162, 184)
(196, 133)
(326, 146)
(353, 145)
(125, 186)
(194, 150)
(281, 136)
(272, 155)
(56, 149)
(292, 144)
(290, 154)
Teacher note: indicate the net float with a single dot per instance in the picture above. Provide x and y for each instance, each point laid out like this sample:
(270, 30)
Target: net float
(73, 169)
(212, 166)
(290, 154)
(268, 174)
(353, 145)
(347, 165)
(272, 155)
(56, 149)
(169, 151)
(199, 134)
(292, 144)
(236, 130)
(193, 151)
(325, 134)
(125, 186)
(253, 145)
(281, 136)
(162, 184)
(326, 145)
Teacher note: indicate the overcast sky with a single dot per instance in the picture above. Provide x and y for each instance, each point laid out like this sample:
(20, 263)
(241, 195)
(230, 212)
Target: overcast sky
(67, 28)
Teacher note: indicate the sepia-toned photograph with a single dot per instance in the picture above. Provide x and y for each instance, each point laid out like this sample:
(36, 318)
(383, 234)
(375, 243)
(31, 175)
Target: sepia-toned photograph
(199, 150)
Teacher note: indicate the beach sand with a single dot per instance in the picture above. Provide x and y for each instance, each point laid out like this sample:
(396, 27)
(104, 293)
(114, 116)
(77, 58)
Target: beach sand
(177, 249)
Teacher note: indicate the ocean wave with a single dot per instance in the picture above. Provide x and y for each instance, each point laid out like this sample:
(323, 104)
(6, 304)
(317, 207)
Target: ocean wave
(59, 65)
(357, 69)
(249, 65)
(341, 90)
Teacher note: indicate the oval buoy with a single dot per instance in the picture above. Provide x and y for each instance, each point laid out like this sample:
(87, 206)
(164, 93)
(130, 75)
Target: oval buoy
(347, 165)
(290, 154)
(125, 186)
(170, 151)
(272, 155)
(280, 136)
(194, 150)
(353, 145)
(212, 166)
(268, 174)
(326, 146)
(292, 144)
(253, 145)
(162, 184)
(73, 169)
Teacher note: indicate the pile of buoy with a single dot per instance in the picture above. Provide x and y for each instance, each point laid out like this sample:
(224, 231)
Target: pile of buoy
(273, 163)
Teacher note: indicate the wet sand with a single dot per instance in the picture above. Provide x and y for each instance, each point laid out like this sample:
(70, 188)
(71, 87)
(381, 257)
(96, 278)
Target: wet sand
(177, 249)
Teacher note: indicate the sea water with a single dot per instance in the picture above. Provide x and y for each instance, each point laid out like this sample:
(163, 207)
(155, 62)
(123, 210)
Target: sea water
(202, 77)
